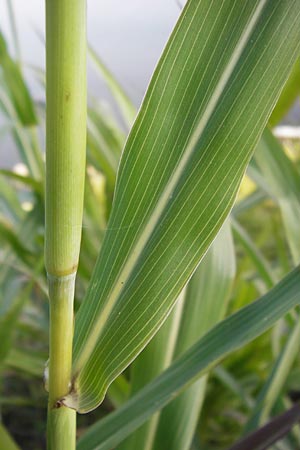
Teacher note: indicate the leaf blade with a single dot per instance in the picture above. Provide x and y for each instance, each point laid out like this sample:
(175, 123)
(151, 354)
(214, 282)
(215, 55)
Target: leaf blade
(155, 239)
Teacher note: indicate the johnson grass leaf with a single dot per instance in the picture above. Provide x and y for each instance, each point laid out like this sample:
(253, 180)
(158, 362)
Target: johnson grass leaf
(229, 335)
(205, 109)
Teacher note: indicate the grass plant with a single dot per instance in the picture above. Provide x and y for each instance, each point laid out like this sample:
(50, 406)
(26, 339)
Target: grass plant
(166, 255)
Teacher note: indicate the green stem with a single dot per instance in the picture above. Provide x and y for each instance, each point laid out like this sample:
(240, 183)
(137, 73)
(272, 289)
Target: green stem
(65, 170)
(61, 420)
(61, 293)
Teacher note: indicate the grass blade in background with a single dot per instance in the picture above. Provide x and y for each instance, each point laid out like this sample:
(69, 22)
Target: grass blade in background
(156, 357)
(123, 102)
(261, 264)
(273, 386)
(14, 30)
(288, 96)
(16, 87)
(10, 206)
(269, 434)
(29, 153)
(283, 180)
(207, 104)
(207, 295)
(229, 335)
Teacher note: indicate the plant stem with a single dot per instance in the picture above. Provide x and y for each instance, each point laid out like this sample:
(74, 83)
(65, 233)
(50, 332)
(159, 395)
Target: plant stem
(65, 170)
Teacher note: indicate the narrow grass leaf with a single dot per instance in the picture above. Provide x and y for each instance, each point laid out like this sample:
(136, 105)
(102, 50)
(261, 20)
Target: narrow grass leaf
(261, 264)
(22, 137)
(125, 105)
(23, 179)
(156, 357)
(16, 86)
(9, 202)
(118, 391)
(207, 296)
(26, 361)
(6, 441)
(229, 335)
(283, 180)
(274, 384)
(249, 202)
(288, 96)
(232, 384)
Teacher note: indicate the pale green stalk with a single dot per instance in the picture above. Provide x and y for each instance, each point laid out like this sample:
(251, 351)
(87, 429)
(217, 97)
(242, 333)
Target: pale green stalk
(65, 169)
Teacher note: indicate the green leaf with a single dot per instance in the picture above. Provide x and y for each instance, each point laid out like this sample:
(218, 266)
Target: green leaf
(233, 385)
(229, 335)
(125, 105)
(25, 138)
(283, 180)
(9, 236)
(24, 179)
(156, 357)
(248, 202)
(26, 361)
(16, 86)
(254, 253)
(9, 202)
(207, 104)
(288, 96)
(8, 323)
(6, 441)
(102, 153)
(205, 305)
(274, 384)
(118, 391)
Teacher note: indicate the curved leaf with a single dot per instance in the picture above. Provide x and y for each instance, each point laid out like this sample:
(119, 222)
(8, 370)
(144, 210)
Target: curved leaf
(207, 104)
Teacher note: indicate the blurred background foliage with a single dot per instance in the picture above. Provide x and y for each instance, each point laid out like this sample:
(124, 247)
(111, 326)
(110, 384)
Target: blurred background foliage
(264, 222)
